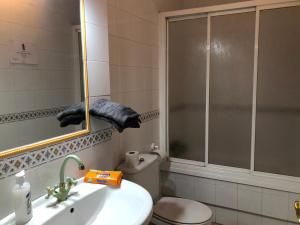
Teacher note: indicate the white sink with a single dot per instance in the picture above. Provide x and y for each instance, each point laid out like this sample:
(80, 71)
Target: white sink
(93, 204)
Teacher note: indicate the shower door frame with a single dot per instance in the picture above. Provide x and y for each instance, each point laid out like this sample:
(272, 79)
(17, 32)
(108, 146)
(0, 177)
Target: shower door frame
(205, 169)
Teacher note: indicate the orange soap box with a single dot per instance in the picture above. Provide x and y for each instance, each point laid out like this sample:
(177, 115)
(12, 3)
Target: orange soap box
(112, 178)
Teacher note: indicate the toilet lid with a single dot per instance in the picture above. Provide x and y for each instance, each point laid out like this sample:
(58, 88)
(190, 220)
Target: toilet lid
(182, 210)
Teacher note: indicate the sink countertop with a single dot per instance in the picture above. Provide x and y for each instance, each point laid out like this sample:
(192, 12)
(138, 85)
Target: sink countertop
(95, 202)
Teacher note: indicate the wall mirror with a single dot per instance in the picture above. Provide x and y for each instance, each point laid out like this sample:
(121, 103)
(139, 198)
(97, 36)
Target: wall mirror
(42, 72)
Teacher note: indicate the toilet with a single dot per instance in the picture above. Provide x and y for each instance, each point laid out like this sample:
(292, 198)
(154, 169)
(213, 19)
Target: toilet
(167, 210)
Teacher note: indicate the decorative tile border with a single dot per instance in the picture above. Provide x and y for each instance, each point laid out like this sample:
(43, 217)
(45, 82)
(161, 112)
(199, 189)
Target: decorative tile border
(148, 116)
(36, 158)
(11, 166)
(30, 115)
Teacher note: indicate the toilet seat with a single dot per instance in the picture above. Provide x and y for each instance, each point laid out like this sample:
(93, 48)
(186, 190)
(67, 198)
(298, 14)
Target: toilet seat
(173, 211)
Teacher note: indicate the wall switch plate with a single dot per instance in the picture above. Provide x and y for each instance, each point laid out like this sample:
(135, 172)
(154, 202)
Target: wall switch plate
(23, 53)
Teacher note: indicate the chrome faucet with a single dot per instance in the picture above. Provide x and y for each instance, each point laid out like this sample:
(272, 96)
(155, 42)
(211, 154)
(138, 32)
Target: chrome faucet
(61, 191)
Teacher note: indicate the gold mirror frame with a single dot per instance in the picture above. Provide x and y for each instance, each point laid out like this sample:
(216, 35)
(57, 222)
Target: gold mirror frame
(55, 140)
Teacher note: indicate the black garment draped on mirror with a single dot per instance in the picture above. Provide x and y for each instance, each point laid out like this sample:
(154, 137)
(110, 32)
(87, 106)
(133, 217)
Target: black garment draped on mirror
(119, 116)
(73, 115)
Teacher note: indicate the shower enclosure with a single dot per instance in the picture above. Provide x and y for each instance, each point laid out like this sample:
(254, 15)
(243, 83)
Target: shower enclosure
(230, 89)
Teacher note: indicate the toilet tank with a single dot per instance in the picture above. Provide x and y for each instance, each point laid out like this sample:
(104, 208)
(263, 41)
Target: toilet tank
(146, 174)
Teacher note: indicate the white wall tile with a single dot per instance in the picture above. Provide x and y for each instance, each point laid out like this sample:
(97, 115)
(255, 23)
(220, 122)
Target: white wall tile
(4, 59)
(6, 202)
(8, 131)
(7, 80)
(124, 24)
(249, 219)
(205, 190)
(115, 84)
(112, 19)
(226, 216)
(23, 14)
(7, 98)
(250, 199)
(155, 79)
(156, 130)
(226, 194)
(126, 79)
(131, 35)
(141, 55)
(99, 79)
(131, 53)
(185, 186)
(275, 204)
(141, 101)
(268, 221)
(113, 3)
(24, 101)
(292, 214)
(6, 10)
(96, 12)
(5, 30)
(271, 203)
(128, 5)
(114, 50)
(168, 184)
(141, 8)
(213, 210)
(137, 139)
(168, 5)
(97, 42)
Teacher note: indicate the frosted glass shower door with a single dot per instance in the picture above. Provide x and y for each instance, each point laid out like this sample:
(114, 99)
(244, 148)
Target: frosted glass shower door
(187, 88)
(278, 92)
(231, 89)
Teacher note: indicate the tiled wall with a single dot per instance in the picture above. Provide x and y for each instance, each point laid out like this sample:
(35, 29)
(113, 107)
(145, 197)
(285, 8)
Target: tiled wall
(133, 49)
(51, 83)
(123, 64)
(25, 132)
(136, 85)
(98, 156)
(31, 87)
(168, 5)
(232, 203)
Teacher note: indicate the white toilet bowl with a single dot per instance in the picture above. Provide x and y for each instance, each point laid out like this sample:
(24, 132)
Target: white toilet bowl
(167, 210)
(179, 211)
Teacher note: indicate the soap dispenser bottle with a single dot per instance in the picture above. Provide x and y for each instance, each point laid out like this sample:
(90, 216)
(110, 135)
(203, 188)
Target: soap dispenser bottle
(22, 199)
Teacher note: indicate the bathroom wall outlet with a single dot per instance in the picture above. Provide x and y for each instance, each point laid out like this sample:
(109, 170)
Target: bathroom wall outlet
(23, 53)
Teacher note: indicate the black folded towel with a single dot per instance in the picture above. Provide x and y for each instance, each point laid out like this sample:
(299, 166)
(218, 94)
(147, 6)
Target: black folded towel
(77, 109)
(120, 116)
(71, 120)
(73, 115)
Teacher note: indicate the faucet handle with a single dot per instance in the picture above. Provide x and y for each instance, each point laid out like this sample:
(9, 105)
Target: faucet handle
(49, 192)
(71, 181)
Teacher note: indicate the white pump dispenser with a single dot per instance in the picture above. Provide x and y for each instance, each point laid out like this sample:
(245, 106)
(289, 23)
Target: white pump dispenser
(22, 199)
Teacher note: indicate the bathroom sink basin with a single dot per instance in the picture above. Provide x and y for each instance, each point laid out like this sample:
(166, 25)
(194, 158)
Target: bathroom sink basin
(93, 204)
